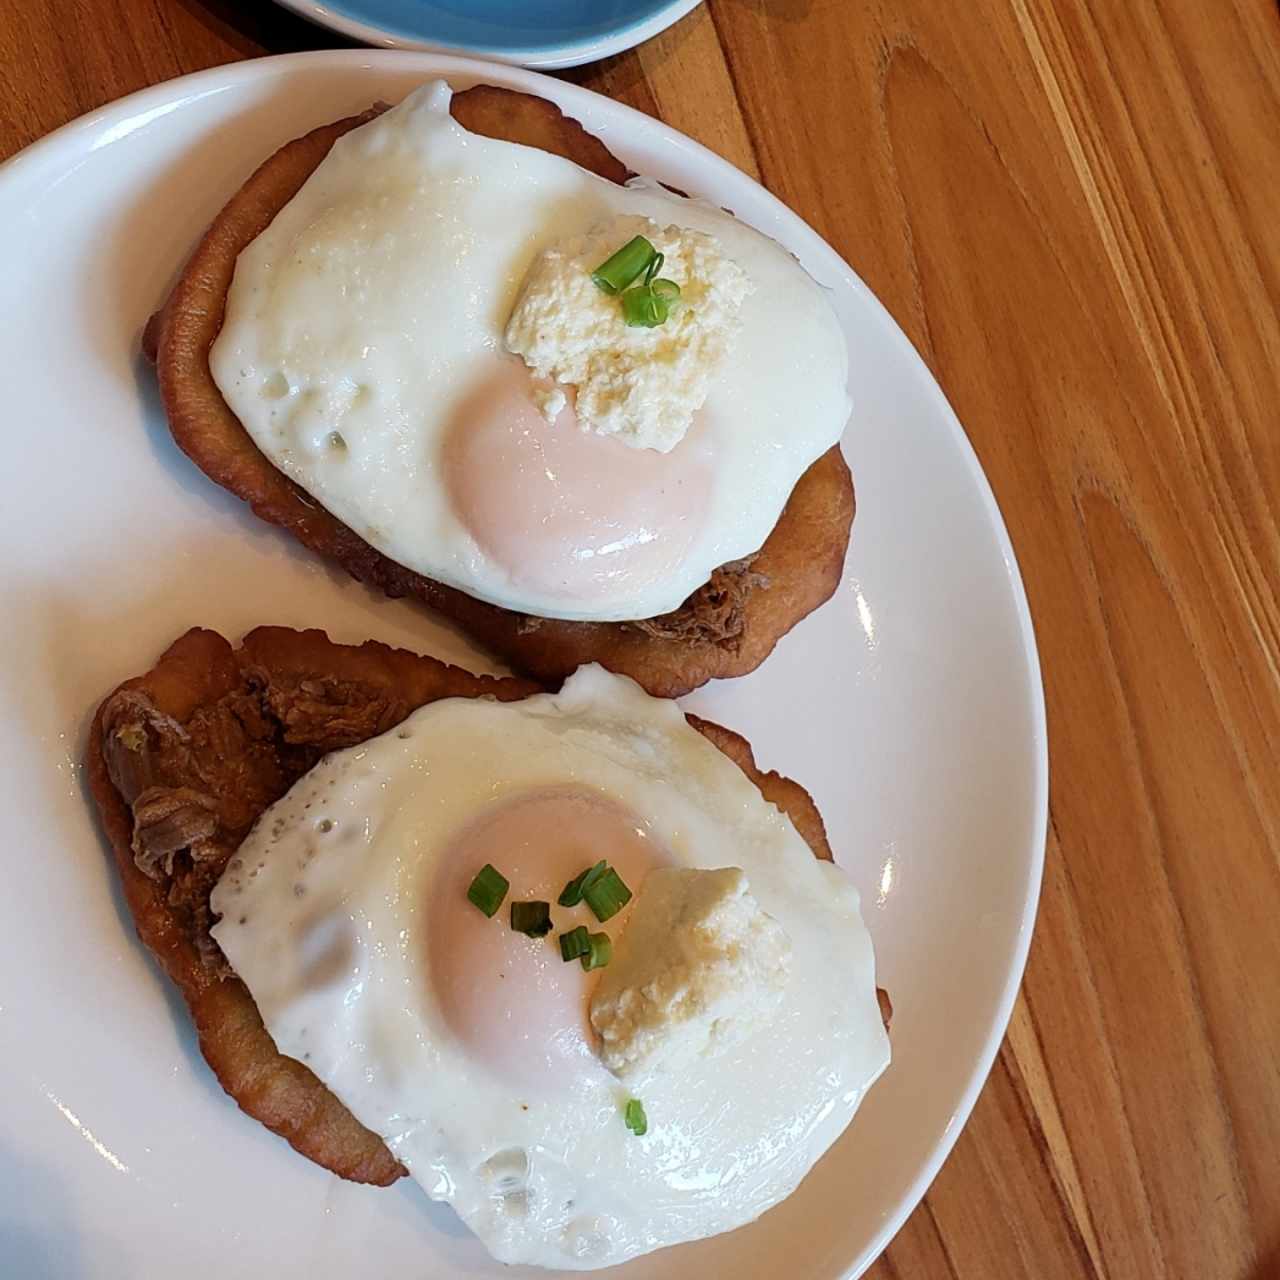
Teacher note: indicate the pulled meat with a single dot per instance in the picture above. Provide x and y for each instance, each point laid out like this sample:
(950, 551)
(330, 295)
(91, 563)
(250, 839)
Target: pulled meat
(716, 613)
(167, 820)
(337, 713)
(194, 789)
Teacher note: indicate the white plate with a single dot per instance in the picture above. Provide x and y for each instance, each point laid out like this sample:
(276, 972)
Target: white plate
(910, 705)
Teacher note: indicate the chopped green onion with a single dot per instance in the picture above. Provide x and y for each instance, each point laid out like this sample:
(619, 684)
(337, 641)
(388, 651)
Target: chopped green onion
(626, 266)
(607, 895)
(648, 305)
(635, 1118)
(571, 894)
(575, 943)
(599, 953)
(643, 309)
(488, 889)
(531, 918)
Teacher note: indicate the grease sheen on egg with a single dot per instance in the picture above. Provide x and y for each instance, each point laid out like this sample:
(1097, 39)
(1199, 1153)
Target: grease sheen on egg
(467, 1046)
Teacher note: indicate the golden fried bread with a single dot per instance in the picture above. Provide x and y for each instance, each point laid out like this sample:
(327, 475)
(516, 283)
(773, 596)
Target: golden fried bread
(184, 759)
(726, 628)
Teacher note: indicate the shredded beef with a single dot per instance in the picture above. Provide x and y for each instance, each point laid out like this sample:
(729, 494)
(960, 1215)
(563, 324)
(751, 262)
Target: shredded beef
(167, 820)
(195, 788)
(328, 713)
(715, 613)
(142, 744)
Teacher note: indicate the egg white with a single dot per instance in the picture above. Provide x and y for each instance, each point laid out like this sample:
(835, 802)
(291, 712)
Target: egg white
(323, 914)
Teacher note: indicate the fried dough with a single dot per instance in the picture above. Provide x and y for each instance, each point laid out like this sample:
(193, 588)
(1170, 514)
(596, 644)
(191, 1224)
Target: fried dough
(726, 628)
(184, 759)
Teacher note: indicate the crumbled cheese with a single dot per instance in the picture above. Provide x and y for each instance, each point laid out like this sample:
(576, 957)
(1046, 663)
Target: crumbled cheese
(641, 385)
(698, 968)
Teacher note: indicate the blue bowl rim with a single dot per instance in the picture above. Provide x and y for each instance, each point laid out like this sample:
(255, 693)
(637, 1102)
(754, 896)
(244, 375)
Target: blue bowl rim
(611, 40)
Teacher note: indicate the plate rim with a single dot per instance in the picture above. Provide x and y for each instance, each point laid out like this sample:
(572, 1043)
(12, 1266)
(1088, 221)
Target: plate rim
(550, 58)
(126, 115)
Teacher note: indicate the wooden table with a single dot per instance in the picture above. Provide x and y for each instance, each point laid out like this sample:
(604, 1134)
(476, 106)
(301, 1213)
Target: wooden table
(1073, 209)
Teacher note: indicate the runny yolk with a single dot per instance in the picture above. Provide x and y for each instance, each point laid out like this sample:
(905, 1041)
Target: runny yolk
(518, 1008)
(566, 512)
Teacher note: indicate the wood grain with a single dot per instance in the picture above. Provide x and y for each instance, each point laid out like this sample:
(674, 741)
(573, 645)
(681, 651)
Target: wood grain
(1073, 209)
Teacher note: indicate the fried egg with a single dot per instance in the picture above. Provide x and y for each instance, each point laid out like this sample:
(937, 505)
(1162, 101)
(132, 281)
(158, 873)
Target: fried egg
(363, 350)
(467, 1046)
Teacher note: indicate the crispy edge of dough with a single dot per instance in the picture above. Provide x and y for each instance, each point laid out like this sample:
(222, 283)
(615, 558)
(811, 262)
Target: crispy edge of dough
(801, 561)
(286, 1096)
(783, 792)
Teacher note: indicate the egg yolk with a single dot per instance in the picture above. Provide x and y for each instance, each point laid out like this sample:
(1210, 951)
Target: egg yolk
(564, 511)
(512, 1000)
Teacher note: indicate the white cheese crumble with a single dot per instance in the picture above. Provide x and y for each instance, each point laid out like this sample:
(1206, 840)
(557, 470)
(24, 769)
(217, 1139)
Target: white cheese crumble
(698, 968)
(641, 385)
